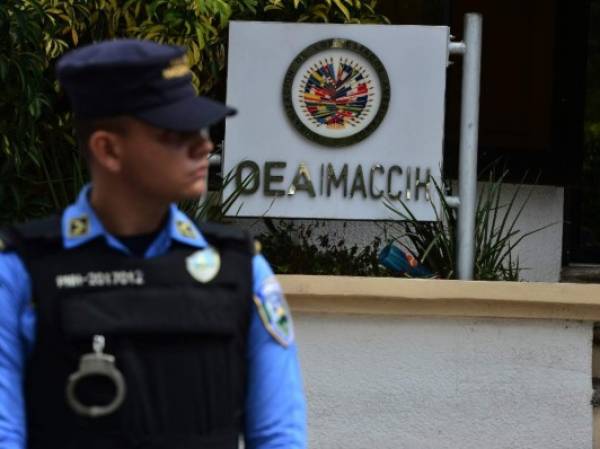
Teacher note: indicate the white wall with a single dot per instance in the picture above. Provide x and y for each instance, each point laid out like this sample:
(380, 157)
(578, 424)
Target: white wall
(425, 383)
(539, 254)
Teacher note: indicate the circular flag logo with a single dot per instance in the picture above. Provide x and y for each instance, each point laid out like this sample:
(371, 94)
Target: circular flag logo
(336, 92)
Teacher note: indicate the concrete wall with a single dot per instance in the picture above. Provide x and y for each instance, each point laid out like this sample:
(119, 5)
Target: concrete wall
(434, 383)
(539, 254)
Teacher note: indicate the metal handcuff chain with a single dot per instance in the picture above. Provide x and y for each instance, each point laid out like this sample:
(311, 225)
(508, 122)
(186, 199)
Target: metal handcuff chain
(96, 364)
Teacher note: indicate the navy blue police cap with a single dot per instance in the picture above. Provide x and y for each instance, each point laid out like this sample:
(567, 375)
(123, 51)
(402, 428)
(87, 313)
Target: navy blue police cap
(138, 78)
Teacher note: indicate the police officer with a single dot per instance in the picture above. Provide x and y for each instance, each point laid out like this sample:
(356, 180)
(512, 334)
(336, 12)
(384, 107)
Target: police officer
(123, 323)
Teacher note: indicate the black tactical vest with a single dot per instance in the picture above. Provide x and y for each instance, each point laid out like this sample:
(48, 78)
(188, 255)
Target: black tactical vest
(179, 342)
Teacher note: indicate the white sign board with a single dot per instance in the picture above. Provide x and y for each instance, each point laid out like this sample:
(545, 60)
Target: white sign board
(334, 119)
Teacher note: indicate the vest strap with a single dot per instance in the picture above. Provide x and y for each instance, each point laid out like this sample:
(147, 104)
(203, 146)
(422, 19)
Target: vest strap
(45, 228)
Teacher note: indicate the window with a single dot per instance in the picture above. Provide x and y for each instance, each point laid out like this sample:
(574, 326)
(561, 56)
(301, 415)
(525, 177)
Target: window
(584, 193)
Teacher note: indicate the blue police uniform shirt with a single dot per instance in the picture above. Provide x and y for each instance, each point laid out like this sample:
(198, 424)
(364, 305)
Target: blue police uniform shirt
(275, 407)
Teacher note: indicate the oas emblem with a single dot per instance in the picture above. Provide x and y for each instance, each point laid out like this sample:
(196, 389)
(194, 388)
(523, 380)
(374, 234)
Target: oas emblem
(336, 92)
(204, 265)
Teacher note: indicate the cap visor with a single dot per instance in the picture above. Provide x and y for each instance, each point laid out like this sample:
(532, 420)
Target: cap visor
(189, 114)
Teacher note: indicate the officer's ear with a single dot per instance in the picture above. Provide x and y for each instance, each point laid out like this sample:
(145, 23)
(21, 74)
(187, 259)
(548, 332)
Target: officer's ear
(106, 150)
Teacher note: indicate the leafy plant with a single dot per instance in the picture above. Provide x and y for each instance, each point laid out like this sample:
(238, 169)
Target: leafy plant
(496, 233)
(35, 171)
(292, 248)
(345, 11)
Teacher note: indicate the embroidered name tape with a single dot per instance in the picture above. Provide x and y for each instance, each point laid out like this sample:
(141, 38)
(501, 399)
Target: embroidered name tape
(120, 278)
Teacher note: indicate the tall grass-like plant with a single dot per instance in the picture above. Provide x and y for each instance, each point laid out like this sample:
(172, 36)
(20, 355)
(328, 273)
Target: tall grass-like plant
(496, 233)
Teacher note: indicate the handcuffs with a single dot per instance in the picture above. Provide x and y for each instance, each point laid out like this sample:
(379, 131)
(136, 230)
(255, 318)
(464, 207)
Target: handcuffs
(96, 363)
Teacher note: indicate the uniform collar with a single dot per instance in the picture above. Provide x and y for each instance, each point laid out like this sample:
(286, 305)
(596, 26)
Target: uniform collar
(184, 230)
(80, 224)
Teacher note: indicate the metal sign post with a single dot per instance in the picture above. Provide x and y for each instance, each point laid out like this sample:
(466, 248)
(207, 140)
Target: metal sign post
(470, 48)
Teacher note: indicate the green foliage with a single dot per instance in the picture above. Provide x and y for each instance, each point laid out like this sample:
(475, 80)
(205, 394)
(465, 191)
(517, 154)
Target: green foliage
(496, 233)
(344, 11)
(40, 169)
(293, 249)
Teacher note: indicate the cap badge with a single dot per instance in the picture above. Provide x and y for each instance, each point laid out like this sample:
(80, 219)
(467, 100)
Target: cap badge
(204, 265)
(185, 229)
(79, 226)
(177, 68)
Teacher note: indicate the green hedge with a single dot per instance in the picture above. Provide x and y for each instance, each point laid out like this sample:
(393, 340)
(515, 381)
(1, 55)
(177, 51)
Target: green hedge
(40, 169)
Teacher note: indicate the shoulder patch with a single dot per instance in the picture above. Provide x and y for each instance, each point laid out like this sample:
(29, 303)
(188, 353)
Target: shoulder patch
(274, 312)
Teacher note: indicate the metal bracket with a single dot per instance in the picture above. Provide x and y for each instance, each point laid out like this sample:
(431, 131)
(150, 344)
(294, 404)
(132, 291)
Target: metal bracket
(457, 48)
(452, 201)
